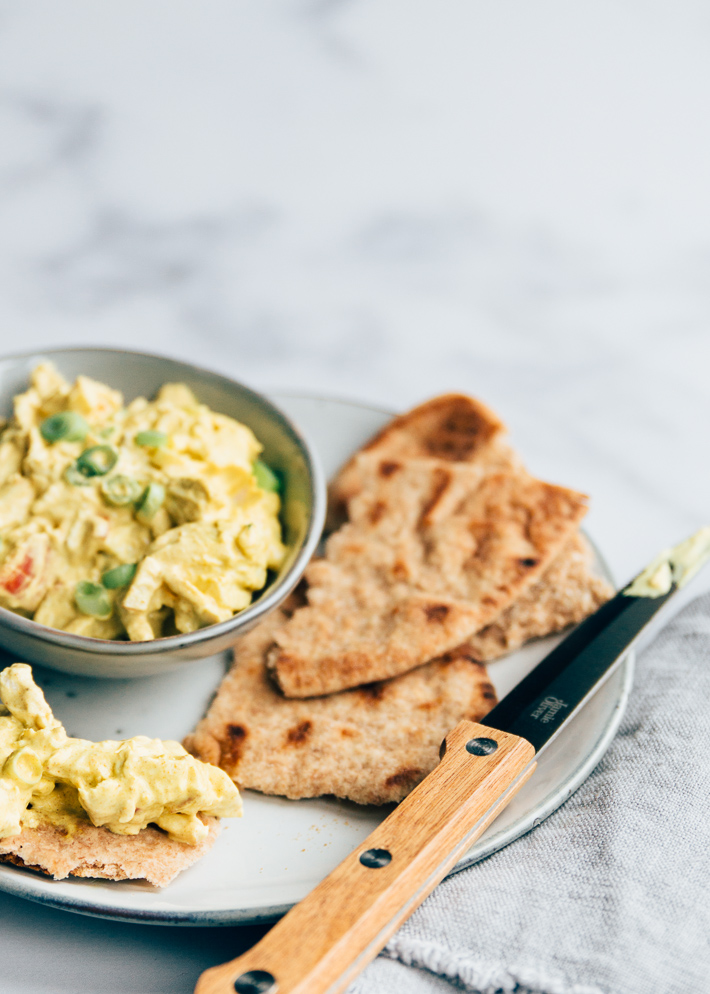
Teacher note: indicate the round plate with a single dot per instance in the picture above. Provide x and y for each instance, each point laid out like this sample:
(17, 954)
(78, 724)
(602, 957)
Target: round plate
(272, 857)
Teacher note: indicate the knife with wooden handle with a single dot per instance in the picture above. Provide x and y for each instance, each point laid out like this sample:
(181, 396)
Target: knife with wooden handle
(322, 944)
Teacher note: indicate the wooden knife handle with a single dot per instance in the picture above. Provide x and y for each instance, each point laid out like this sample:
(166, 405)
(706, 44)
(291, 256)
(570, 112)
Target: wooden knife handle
(322, 944)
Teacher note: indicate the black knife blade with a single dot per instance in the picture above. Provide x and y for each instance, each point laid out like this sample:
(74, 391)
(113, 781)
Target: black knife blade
(540, 705)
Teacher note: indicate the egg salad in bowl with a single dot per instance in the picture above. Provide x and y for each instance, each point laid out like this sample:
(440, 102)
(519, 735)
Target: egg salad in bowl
(131, 522)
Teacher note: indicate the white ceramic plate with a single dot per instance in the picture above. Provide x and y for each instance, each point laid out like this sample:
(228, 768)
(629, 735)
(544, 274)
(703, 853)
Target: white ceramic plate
(265, 862)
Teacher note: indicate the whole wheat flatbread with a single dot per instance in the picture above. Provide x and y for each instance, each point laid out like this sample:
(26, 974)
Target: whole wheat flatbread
(565, 594)
(371, 745)
(432, 553)
(451, 428)
(97, 852)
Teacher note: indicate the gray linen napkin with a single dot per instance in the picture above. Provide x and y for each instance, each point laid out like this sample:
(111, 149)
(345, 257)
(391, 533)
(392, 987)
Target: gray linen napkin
(610, 894)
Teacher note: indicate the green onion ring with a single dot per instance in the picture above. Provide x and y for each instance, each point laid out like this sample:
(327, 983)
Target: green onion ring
(151, 501)
(92, 599)
(24, 765)
(119, 576)
(97, 461)
(74, 476)
(121, 490)
(65, 427)
(151, 439)
(266, 478)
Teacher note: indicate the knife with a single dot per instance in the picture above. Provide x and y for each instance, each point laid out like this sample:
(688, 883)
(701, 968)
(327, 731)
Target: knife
(327, 939)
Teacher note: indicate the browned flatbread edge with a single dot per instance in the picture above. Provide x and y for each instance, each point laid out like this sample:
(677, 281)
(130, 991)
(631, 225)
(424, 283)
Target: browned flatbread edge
(463, 428)
(436, 625)
(566, 593)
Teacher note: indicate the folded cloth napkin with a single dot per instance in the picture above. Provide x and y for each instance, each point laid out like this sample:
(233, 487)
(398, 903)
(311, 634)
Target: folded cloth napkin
(610, 894)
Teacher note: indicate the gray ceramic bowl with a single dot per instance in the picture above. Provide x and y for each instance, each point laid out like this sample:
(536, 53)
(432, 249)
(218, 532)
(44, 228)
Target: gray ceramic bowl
(304, 499)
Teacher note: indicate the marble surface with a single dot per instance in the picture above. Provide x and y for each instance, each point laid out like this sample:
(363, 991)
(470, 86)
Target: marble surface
(376, 199)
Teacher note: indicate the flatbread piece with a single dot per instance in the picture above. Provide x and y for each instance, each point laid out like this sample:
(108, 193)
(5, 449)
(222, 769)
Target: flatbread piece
(432, 553)
(566, 594)
(450, 428)
(371, 745)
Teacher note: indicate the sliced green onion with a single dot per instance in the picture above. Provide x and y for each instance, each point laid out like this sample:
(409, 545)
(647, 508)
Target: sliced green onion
(121, 490)
(92, 599)
(23, 765)
(107, 432)
(266, 478)
(74, 476)
(119, 576)
(152, 439)
(65, 427)
(152, 500)
(97, 461)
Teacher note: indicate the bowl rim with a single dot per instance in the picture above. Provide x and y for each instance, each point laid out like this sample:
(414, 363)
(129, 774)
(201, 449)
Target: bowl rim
(249, 615)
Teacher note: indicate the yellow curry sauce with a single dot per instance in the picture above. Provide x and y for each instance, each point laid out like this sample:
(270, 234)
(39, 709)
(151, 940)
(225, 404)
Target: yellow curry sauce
(48, 777)
(130, 522)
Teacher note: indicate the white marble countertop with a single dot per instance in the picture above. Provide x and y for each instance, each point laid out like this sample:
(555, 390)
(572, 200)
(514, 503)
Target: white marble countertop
(376, 199)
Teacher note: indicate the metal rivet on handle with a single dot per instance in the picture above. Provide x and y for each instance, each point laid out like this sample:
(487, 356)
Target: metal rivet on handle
(481, 747)
(376, 858)
(256, 982)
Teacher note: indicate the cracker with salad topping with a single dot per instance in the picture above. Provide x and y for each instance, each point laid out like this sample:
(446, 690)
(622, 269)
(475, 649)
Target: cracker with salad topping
(97, 852)
(371, 745)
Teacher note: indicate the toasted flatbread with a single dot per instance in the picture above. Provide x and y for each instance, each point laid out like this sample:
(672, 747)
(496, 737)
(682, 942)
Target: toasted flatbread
(433, 552)
(371, 745)
(97, 852)
(451, 428)
(566, 593)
